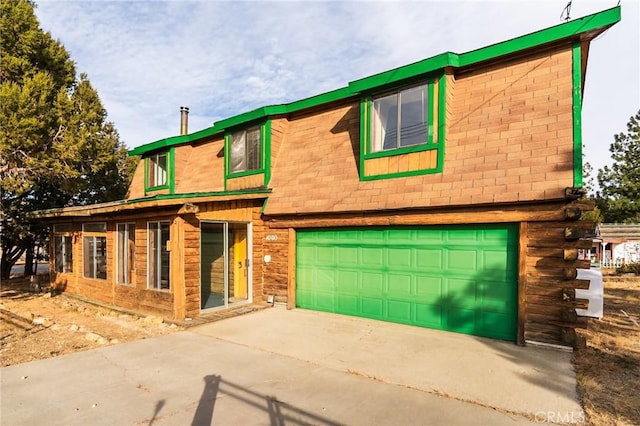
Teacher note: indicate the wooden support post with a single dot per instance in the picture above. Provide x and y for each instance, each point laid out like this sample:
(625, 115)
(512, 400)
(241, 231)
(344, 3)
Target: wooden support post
(176, 254)
(522, 281)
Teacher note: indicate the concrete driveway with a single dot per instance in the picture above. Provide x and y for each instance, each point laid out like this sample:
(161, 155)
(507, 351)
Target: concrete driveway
(280, 367)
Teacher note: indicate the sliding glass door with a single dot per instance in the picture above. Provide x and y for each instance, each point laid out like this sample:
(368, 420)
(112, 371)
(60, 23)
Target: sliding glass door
(224, 264)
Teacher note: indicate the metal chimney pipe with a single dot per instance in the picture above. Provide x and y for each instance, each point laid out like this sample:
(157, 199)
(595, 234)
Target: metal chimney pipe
(184, 120)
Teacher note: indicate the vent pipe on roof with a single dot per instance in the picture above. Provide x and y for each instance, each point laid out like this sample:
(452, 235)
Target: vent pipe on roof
(184, 120)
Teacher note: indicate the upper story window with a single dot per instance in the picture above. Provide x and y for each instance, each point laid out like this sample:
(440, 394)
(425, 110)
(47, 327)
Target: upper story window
(402, 130)
(245, 152)
(157, 170)
(400, 119)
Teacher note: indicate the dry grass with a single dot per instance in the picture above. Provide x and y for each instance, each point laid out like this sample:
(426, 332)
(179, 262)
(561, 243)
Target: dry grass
(608, 369)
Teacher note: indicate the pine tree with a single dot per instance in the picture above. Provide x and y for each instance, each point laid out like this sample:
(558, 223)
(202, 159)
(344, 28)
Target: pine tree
(56, 147)
(619, 197)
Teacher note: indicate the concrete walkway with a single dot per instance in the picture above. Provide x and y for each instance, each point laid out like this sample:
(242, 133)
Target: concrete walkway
(279, 367)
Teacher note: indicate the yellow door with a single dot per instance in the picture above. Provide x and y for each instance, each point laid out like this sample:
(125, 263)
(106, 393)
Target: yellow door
(240, 271)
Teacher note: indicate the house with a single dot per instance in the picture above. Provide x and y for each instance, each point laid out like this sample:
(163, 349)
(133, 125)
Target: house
(444, 194)
(616, 244)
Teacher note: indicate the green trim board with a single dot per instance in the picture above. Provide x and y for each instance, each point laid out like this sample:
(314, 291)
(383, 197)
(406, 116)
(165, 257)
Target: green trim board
(195, 195)
(461, 278)
(442, 121)
(584, 29)
(401, 174)
(172, 170)
(266, 153)
(577, 114)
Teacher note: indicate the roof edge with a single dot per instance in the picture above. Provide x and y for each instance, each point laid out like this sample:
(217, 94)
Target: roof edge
(590, 25)
(164, 200)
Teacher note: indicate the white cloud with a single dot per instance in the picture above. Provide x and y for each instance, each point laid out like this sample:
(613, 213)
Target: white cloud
(148, 58)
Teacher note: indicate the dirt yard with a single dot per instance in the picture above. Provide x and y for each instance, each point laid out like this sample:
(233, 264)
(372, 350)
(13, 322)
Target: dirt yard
(608, 369)
(37, 326)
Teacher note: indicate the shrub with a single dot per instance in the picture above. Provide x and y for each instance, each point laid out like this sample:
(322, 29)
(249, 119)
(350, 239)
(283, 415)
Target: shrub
(629, 268)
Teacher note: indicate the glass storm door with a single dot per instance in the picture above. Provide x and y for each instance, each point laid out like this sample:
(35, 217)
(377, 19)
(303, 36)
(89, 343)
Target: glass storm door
(224, 264)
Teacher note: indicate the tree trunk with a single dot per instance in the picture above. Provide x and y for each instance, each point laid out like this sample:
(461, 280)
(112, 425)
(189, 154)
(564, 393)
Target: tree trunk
(28, 261)
(10, 256)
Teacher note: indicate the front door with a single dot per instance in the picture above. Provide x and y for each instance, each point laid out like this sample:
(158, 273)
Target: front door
(224, 264)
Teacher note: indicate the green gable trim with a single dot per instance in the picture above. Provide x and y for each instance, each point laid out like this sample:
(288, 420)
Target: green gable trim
(442, 121)
(172, 170)
(577, 115)
(172, 141)
(266, 154)
(402, 74)
(449, 59)
(584, 29)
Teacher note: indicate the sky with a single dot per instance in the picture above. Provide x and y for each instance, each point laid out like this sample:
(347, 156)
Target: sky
(148, 58)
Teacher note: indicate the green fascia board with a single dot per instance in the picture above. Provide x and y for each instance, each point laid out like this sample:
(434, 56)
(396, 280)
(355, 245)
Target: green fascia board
(172, 141)
(577, 115)
(198, 195)
(597, 23)
(429, 65)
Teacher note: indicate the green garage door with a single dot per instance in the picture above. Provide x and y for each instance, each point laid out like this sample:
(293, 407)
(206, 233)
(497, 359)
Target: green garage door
(457, 278)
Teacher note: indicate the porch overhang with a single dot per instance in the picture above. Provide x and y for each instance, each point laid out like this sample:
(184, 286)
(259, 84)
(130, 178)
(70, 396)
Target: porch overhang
(185, 203)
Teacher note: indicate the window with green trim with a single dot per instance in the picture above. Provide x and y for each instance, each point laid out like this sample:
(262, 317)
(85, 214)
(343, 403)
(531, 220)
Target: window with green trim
(400, 119)
(402, 130)
(245, 150)
(157, 169)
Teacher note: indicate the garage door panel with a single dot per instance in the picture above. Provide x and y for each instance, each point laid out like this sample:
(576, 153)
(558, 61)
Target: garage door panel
(429, 259)
(459, 278)
(496, 325)
(429, 315)
(460, 320)
(399, 286)
(325, 255)
(399, 311)
(399, 257)
(325, 280)
(372, 307)
(348, 255)
(428, 287)
(462, 260)
(372, 284)
(373, 256)
(348, 304)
